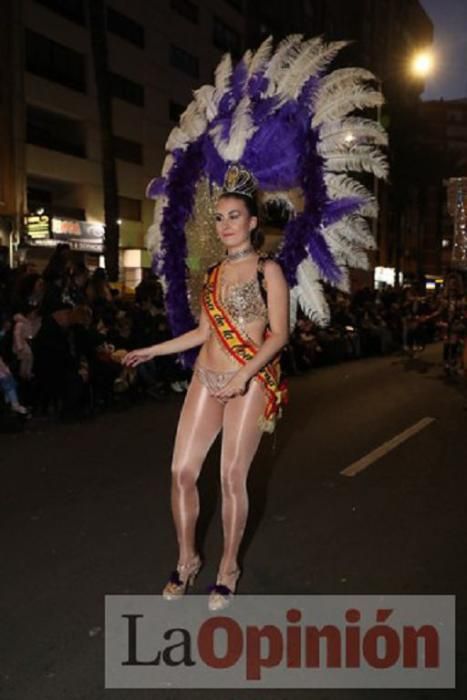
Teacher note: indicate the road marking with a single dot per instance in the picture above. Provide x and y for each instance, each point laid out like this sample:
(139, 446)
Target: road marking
(386, 447)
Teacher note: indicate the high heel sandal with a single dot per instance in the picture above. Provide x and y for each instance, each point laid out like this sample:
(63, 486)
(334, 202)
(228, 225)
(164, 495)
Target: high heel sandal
(220, 596)
(182, 577)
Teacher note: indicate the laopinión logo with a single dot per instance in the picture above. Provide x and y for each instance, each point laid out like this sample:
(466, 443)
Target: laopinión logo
(281, 642)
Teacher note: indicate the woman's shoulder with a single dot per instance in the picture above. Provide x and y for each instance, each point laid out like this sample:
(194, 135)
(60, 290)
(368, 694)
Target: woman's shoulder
(269, 266)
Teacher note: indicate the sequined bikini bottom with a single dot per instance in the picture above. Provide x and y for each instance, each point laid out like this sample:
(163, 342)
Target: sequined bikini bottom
(213, 380)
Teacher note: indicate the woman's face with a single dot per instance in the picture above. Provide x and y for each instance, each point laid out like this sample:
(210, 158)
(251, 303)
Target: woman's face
(234, 222)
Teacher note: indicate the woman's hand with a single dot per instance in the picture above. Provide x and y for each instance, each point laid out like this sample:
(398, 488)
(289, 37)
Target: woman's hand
(235, 387)
(137, 357)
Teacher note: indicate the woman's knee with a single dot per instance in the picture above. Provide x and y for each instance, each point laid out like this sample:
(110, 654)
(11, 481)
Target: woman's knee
(184, 475)
(234, 476)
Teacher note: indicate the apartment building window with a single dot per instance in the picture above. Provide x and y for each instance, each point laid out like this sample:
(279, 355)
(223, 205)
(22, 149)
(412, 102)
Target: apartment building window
(129, 151)
(129, 208)
(73, 10)
(186, 8)
(184, 61)
(55, 132)
(126, 89)
(125, 27)
(175, 111)
(52, 196)
(38, 197)
(55, 62)
(226, 38)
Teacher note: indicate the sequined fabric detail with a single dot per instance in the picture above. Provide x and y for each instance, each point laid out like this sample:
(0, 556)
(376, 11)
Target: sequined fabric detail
(244, 303)
(214, 380)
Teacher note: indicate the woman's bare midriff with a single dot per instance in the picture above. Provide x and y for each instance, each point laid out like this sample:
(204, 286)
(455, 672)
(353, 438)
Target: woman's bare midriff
(215, 357)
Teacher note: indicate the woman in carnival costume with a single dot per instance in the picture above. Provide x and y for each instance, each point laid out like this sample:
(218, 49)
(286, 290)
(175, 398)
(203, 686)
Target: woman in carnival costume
(274, 128)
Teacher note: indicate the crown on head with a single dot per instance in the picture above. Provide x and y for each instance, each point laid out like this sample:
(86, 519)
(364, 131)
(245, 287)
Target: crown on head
(239, 181)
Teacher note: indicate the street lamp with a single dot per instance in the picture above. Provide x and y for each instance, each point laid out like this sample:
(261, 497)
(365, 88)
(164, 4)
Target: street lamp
(422, 64)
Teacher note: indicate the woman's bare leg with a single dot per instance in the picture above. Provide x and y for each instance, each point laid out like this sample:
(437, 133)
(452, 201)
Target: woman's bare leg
(240, 441)
(199, 423)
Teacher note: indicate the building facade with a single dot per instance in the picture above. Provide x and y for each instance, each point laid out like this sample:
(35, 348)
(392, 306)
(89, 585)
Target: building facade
(443, 146)
(158, 52)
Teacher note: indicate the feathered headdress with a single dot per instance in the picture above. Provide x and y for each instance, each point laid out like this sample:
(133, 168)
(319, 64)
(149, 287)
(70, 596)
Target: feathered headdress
(286, 121)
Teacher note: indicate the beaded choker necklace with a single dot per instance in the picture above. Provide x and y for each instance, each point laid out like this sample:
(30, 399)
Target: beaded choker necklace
(240, 254)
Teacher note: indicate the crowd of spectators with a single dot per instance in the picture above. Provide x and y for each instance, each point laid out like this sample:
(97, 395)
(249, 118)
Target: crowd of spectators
(377, 322)
(64, 332)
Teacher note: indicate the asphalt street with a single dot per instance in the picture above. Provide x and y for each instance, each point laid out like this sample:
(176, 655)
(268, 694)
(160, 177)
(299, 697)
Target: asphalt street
(85, 512)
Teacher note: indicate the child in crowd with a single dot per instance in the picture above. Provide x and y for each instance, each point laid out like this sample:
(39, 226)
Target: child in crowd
(9, 389)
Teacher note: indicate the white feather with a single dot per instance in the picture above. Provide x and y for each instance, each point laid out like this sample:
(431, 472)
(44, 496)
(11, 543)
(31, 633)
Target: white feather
(287, 50)
(167, 164)
(348, 256)
(313, 58)
(247, 57)
(352, 230)
(357, 129)
(309, 293)
(153, 235)
(340, 185)
(342, 77)
(192, 122)
(241, 131)
(177, 139)
(344, 102)
(261, 56)
(364, 158)
(344, 282)
(222, 76)
(205, 99)
(345, 254)
(293, 308)
(295, 71)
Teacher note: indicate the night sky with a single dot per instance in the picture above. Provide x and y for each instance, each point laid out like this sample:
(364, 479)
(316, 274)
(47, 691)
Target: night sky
(449, 18)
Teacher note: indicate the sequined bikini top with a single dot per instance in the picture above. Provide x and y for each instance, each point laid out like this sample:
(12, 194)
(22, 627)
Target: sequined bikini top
(246, 301)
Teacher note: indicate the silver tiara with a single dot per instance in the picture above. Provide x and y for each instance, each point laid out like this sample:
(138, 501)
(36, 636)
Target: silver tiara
(239, 181)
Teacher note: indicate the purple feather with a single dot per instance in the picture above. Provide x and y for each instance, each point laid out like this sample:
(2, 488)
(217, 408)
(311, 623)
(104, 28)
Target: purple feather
(281, 154)
(257, 85)
(239, 77)
(180, 190)
(335, 209)
(215, 166)
(156, 187)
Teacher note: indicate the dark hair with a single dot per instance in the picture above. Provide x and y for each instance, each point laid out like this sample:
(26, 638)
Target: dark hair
(256, 236)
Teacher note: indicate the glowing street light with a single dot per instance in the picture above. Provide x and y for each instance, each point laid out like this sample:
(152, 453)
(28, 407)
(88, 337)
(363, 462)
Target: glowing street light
(422, 64)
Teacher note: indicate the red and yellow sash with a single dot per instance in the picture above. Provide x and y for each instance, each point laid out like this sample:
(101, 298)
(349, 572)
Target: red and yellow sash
(243, 349)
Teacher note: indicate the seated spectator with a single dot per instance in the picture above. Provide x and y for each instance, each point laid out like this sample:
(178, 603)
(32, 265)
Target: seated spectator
(9, 389)
(305, 344)
(26, 326)
(62, 374)
(346, 322)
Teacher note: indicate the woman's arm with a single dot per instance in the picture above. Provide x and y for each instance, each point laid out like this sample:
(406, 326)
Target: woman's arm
(183, 342)
(278, 310)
